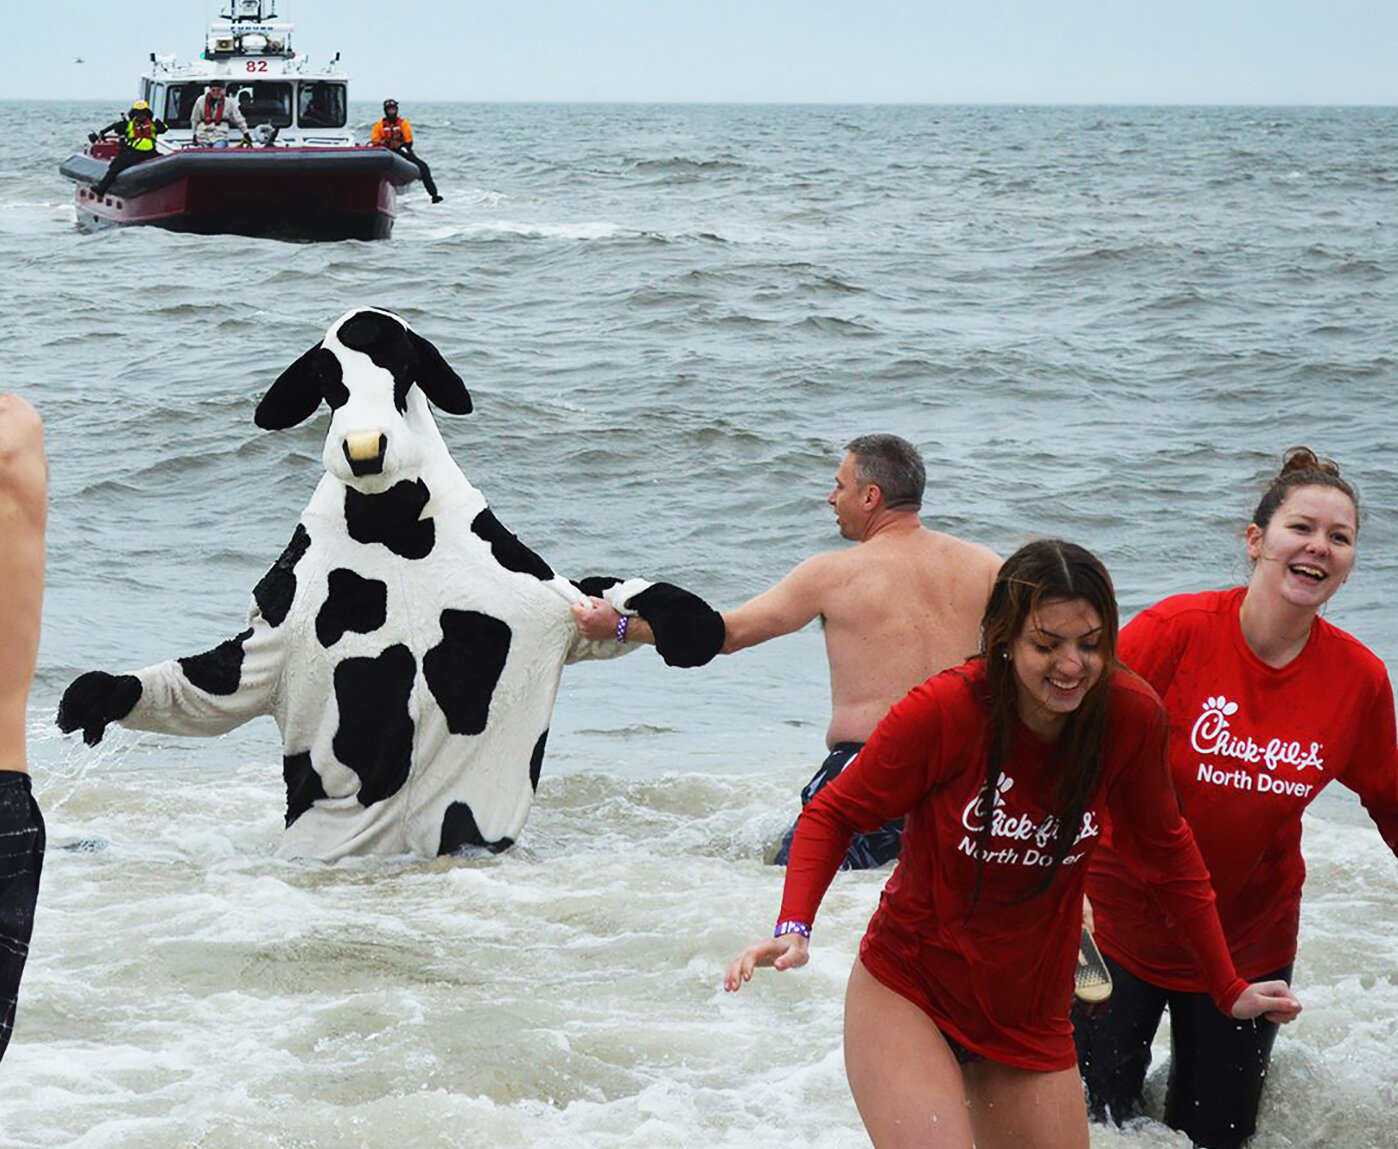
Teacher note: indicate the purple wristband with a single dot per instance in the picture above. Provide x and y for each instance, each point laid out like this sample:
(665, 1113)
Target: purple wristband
(621, 624)
(784, 928)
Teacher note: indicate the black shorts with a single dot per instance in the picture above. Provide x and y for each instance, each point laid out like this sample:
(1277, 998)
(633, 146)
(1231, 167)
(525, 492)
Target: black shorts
(963, 1055)
(21, 860)
(1217, 1065)
(866, 851)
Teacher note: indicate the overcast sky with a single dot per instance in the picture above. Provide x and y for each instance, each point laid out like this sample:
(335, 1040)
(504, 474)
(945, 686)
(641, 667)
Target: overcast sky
(819, 51)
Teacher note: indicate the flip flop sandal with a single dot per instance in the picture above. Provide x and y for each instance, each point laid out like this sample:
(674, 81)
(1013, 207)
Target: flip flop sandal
(1092, 984)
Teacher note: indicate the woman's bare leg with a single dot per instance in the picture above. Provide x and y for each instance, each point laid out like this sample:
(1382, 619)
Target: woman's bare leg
(1012, 1108)
(904, 1077)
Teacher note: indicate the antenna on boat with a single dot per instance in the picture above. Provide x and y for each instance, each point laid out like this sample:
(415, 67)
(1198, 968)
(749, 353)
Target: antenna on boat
(249, 31)
(253, 11)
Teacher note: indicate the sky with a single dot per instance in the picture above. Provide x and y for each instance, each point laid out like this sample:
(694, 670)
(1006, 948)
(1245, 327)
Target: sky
(757, 51)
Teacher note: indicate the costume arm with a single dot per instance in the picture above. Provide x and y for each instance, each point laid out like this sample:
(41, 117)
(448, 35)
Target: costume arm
(235, 115)
(685, 629)
(407, 134)
(212, 692)
(209, 693)
(376, 133)
(1155, 842)
(781, 609)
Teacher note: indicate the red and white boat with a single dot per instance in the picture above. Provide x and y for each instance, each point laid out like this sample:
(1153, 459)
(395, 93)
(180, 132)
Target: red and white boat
(304, 178)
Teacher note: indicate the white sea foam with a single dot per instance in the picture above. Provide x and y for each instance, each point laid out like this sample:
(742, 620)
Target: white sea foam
(185, 986)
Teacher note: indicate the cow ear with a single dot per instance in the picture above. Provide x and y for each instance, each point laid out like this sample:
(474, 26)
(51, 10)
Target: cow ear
(442, 386)
(296, 394)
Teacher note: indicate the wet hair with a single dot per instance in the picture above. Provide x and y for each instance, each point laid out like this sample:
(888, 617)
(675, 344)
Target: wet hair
(1041, 572)
(1301, 467)
(894, 466)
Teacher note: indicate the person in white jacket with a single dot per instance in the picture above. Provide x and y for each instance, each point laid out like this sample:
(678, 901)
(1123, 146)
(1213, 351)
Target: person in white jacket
(211, 115)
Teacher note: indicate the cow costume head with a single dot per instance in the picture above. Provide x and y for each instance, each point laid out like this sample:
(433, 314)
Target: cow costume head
(407, 644)
(377, 375)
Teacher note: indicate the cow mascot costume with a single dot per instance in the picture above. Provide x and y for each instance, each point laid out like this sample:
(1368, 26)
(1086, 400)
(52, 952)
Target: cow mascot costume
(407, 644)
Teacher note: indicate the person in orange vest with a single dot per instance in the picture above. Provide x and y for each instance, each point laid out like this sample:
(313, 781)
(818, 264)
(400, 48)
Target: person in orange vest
(211, 115)
(138, 129)
(396, 134)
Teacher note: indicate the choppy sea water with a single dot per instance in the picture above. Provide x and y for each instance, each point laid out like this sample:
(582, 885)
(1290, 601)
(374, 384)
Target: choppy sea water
(1099, 323)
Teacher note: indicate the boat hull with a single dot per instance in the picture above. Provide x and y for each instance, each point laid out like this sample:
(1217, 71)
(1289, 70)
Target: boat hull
(285, 193)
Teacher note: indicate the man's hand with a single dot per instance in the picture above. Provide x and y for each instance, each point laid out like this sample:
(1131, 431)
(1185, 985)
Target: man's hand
(596, 619)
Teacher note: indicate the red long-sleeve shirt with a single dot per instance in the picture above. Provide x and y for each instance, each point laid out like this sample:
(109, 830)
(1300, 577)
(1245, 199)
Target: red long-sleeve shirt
(1001, 983)
(1250, 747)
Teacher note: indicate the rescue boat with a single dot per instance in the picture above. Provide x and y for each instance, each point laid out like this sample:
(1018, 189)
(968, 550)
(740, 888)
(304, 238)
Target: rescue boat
(304, 177)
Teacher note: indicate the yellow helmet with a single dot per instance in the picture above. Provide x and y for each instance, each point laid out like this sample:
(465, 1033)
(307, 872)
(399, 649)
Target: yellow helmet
(140, 106)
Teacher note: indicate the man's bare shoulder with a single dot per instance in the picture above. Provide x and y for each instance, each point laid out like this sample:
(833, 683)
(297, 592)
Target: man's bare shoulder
(822, 566)
(923, 544)
(961, 551)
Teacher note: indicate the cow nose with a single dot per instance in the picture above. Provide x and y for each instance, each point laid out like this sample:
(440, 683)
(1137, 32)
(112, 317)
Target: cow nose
(365, 451)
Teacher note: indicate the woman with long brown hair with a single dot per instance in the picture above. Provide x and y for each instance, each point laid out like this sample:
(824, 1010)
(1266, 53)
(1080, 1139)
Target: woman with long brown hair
(957, 1011)
(1268, 703)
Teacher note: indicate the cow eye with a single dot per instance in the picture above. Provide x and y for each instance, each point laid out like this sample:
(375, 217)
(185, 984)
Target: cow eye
(332, 382)
(336, 393)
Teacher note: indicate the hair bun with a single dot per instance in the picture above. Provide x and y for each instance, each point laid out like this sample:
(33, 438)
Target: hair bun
(1304, 459)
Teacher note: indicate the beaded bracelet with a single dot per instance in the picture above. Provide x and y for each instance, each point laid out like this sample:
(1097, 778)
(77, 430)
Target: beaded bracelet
(792, 928)
(621, 627)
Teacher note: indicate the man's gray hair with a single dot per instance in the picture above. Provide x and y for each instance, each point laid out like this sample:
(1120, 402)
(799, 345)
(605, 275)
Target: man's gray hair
(894, 466)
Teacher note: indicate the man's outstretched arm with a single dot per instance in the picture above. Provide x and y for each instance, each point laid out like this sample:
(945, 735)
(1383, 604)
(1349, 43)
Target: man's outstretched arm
(783, 608)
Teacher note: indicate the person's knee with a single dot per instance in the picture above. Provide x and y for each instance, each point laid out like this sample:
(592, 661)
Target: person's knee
(21, 430)
(22, 468)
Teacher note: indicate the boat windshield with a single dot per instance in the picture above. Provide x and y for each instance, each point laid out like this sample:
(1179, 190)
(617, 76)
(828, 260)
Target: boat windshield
(263, 102)
(260, 101)
(321, 105)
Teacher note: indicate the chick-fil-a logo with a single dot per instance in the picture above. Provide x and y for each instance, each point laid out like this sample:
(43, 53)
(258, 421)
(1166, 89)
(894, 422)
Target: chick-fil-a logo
(1017, 827)
(1212, 735)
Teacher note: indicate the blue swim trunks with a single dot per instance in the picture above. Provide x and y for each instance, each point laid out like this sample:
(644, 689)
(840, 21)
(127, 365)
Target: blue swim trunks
(866, 851)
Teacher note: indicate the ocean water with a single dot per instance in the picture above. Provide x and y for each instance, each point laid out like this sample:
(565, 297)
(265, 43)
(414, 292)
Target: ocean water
(1099, 323)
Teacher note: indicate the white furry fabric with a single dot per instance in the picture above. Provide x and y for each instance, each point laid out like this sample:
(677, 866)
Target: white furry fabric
(379, 718)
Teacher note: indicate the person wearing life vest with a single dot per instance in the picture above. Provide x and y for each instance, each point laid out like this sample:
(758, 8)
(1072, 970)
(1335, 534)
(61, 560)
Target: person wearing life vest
(396, 134)
(138, 129)
(211, 115)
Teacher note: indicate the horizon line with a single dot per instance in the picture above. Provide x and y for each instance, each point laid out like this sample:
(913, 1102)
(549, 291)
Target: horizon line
(812, 103)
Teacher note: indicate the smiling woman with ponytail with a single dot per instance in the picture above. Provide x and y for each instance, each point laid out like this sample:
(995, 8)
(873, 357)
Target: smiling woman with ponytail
(1268, 703)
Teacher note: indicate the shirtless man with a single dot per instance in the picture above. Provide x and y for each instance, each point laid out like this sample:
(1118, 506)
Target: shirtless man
(901, 606)
(23, 506)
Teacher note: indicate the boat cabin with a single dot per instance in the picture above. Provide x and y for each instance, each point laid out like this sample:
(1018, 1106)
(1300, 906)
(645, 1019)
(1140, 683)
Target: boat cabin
(251, 55)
